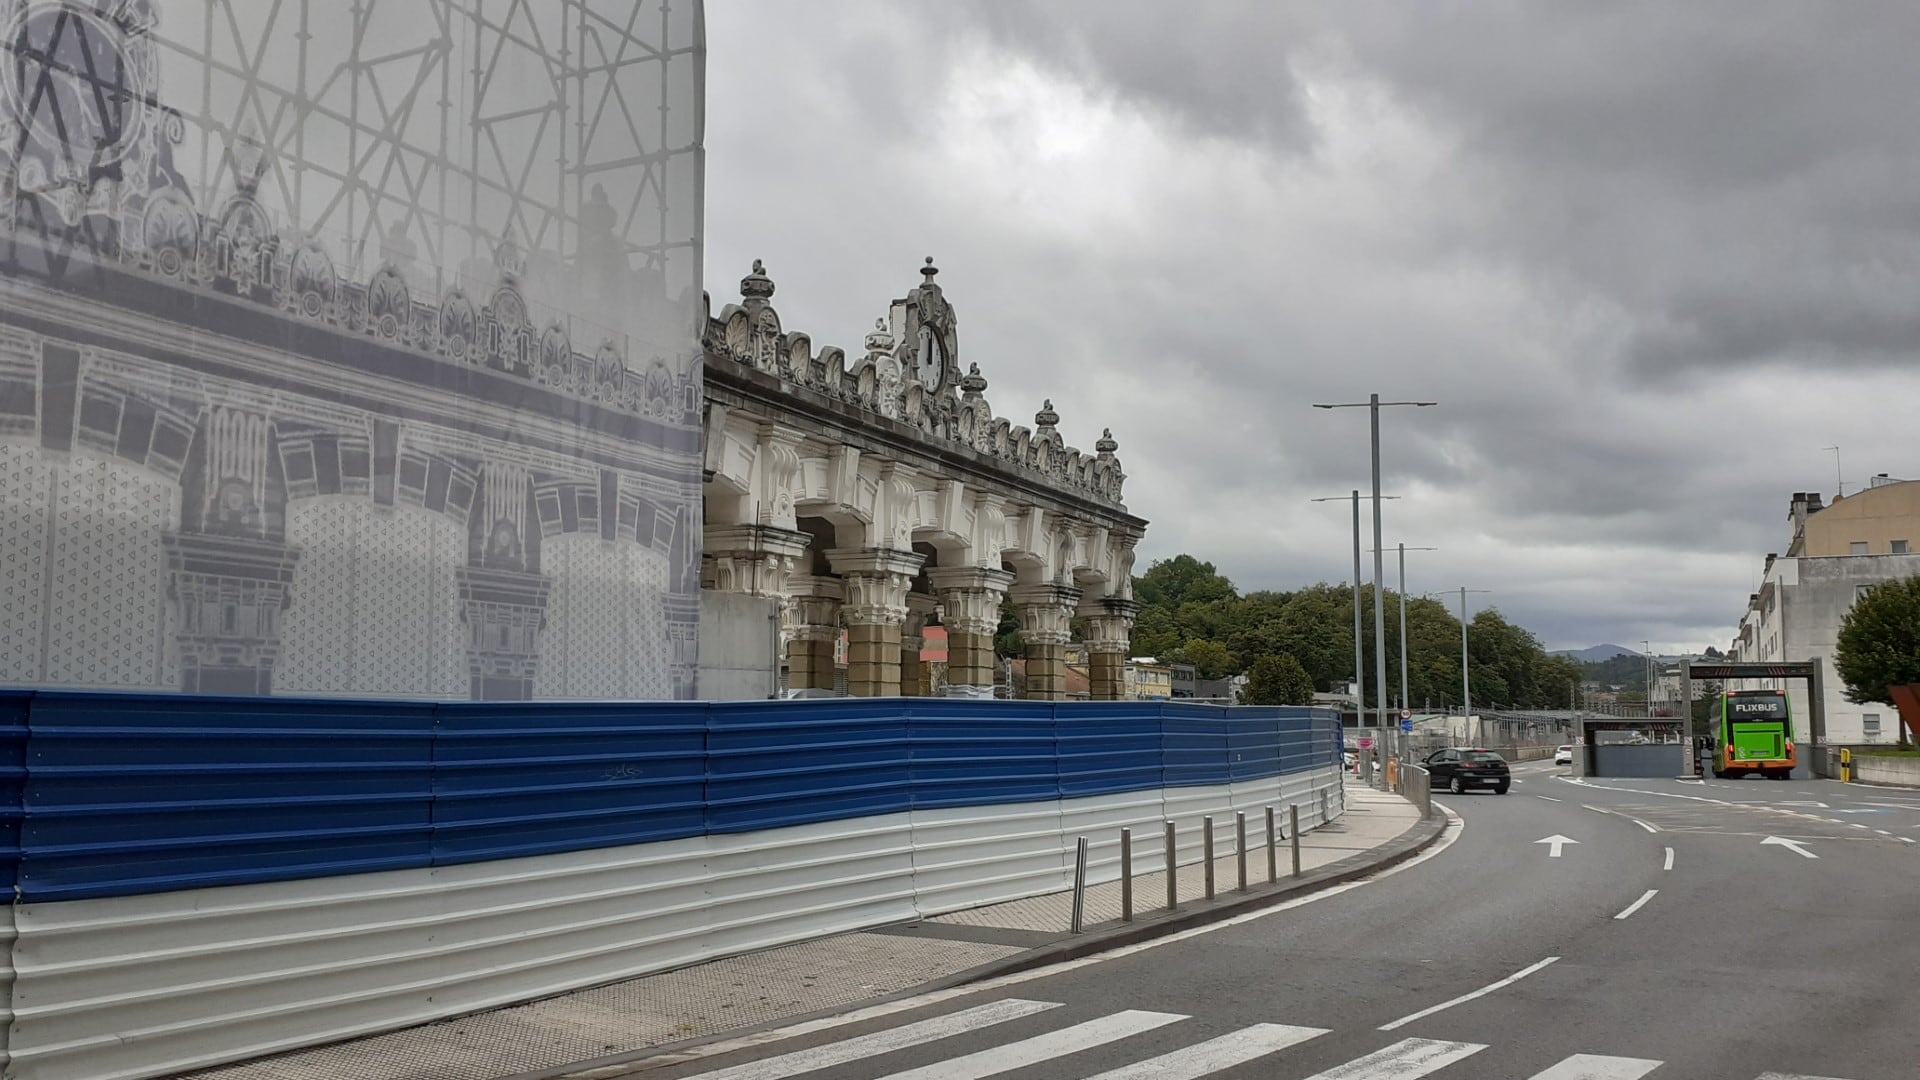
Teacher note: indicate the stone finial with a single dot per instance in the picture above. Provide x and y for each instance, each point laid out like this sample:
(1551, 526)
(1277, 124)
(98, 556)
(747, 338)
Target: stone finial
(509, 256)
(598, 216)
(1046, 417)
(881, 339)
(1107, 443)
(928, 271)
(973, 382)
(757, 287)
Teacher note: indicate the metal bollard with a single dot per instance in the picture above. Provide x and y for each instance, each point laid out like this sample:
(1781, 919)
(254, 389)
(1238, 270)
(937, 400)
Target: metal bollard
(1173, 871)
(1293, 834)
(1206, 846)
(1240, 845)
(1273, 853)
(1079, 884)
(1126, 875)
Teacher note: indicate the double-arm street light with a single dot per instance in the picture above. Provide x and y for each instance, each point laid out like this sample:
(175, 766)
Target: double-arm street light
(1373, 405)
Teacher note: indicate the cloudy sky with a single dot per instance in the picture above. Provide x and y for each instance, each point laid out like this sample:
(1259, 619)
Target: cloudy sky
(1651, 258)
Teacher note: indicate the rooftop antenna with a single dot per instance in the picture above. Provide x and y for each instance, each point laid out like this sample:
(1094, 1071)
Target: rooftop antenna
(1841, 483)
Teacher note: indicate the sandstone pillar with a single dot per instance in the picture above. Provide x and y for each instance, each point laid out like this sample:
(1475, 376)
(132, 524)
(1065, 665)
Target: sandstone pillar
(1109, 622)
(876, 582)
(812, 629)
(1045, 614)
(970, 599)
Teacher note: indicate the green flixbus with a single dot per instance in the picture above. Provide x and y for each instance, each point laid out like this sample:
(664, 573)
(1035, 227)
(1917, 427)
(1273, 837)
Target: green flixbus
(1751, 731)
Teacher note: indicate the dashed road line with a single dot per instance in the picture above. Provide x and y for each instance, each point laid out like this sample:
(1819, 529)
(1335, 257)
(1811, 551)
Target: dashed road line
(1638, 904)
(1643, 825)
(1669, 864)
(1549, 798)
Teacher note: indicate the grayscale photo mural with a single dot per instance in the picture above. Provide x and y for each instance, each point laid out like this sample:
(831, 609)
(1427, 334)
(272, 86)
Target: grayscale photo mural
(350, 348)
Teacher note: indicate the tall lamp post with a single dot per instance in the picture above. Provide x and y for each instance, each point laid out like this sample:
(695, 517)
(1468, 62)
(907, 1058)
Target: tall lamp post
(1466, 683)
(1359, 660)
(1403, 621)
(1373, 404)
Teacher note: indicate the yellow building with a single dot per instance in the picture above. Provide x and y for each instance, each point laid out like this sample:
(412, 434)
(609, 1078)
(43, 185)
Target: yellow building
(1147, 679)
(1882, 520)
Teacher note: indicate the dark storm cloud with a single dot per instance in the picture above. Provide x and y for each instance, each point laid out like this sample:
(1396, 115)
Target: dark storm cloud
(1649, 257)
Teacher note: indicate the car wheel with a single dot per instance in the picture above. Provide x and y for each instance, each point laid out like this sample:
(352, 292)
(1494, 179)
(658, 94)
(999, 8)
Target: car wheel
(1457, 787)
(1500, 789)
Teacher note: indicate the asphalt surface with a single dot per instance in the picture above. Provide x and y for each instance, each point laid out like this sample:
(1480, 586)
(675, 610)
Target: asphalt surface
(1779, 937)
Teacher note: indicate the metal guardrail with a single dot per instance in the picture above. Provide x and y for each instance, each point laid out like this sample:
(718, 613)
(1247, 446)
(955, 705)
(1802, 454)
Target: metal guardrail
(1416, 786)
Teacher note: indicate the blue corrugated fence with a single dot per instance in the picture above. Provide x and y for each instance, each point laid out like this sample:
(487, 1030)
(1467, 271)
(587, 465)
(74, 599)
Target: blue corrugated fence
(122, 794)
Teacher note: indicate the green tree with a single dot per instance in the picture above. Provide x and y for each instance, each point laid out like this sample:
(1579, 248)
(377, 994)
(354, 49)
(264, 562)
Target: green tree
(1879, 644)
(1277, 680)
(1210, 659)
(1006, 639)
(1183, 579)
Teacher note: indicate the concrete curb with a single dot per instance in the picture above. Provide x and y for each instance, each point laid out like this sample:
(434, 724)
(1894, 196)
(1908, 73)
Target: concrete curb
(1422, 835)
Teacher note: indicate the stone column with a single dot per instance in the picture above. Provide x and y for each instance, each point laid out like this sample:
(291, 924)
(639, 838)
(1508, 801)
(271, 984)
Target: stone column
(812, 628)
(1045, 612)
(757, 560)
(913, 675)
(970, 599)
(876, 582)
(1109, 622)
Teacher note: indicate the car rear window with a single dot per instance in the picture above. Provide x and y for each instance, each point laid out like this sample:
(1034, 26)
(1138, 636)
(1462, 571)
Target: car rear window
(1481, 755)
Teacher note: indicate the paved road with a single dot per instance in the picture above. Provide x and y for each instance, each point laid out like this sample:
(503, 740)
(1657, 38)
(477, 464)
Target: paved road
(1739, 930)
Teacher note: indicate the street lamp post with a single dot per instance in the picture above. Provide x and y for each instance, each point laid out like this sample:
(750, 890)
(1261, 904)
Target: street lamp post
(1373, 405)
(1359, 655)
(1466, 683)
(1403, 623)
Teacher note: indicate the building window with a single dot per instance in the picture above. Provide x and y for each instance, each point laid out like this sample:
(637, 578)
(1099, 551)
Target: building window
(1870, 725)
(1900, 547)
(1858, 547)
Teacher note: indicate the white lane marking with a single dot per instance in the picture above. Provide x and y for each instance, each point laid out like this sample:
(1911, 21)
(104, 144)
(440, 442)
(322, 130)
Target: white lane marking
(1215, 1055)
(880, 1042)
(1549, 798)
(1795, 846)
(1643, 825)
(1404, 1060)
(1882, 832)
(1904, 839)
(1599, 1067)
(1456, 826)
(1856, 825)
(1669, 864)
(1463, 998)
(1007, 1057)
(1638, 904)
(1791, 1076)
(1595, 809)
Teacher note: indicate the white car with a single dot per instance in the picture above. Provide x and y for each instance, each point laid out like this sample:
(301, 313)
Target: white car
(1563, 756)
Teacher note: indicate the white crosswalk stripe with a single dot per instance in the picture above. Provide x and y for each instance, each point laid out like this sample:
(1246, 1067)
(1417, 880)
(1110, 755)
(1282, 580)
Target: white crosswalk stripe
(861, 1047)
(1404, 1060)
(1018, 1055)
(1215, 1055)
(1598, 1067)
(1407, 1059)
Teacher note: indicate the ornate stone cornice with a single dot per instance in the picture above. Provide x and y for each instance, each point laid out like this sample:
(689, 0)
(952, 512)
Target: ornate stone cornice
(943, 408)
(758, 560)
(876, 582)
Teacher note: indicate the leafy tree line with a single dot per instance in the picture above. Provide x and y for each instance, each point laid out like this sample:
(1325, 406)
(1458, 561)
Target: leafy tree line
(1290, 644)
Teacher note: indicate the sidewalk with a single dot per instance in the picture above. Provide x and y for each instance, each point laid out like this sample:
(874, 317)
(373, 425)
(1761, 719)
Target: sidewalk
(630, 1019)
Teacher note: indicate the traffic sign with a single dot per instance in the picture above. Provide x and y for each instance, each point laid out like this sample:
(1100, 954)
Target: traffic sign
(1406, 727)
(1364, 742)
(1406, 714)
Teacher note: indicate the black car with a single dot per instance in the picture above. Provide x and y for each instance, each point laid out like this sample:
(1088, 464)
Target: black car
(1459, 769)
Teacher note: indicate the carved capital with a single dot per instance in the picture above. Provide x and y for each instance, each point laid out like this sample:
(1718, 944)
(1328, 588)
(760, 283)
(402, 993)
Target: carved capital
(812, 608)
(1045, 611)
(876, 582)
(758, 560)
(970, 597)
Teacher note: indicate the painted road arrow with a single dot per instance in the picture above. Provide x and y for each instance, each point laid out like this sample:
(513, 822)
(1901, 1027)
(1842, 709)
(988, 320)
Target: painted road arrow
(1796, 846)
(1557, 841)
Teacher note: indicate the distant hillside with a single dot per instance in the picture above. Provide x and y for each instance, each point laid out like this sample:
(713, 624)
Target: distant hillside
(1597, 654)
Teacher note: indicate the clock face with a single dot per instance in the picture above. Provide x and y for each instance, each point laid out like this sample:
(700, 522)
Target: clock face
(933, 360)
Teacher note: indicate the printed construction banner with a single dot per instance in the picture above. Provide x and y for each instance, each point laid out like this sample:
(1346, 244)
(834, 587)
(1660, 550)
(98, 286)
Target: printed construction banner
(351, 348)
